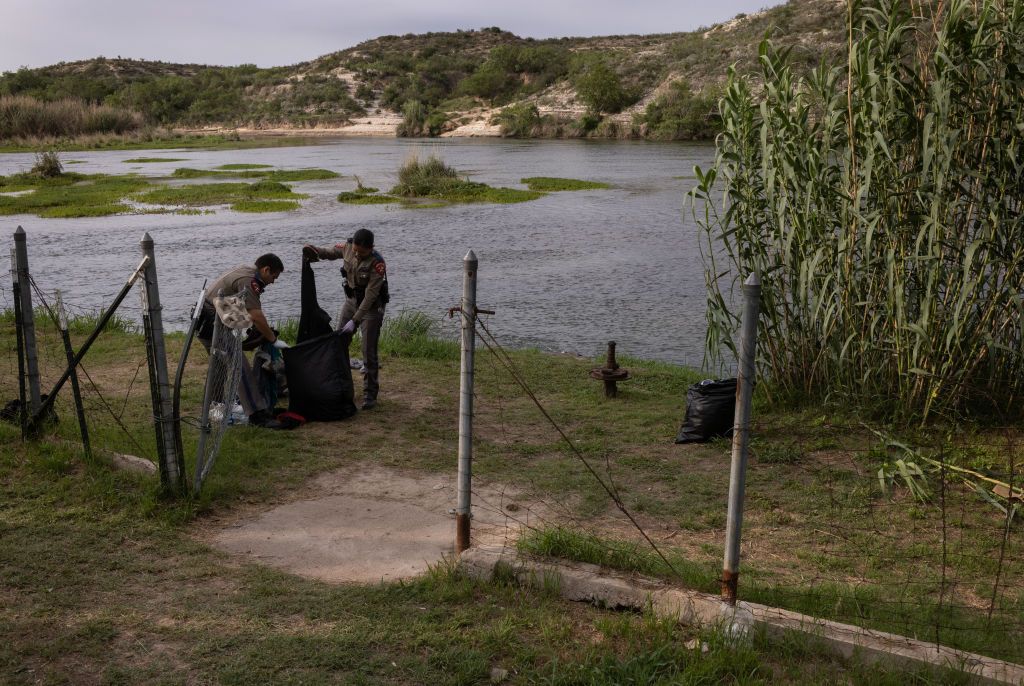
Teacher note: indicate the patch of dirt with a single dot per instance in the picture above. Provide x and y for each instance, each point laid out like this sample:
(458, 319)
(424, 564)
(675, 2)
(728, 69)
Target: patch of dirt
(369, 524)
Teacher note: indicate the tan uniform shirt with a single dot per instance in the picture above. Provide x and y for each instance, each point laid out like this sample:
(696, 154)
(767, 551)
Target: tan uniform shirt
(364, 276)
(244, 281)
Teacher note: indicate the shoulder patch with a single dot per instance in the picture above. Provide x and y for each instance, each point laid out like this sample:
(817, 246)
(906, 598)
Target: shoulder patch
(380, 268)
(339, 246)
(256, 286)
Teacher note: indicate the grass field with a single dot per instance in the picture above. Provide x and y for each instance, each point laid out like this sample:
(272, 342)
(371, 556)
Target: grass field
(106, 581)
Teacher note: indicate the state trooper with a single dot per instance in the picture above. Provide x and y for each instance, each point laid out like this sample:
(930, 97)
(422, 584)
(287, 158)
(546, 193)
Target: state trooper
(366, 295)
(247, 281)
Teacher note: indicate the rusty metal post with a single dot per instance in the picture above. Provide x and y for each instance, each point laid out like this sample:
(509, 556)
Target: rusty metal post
(610, 387)
(28, 325)
(462, 510)
(741, 436)
(172, 464)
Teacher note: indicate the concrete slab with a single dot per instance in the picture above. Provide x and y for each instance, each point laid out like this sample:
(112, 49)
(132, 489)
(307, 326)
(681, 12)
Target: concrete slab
(593, 584)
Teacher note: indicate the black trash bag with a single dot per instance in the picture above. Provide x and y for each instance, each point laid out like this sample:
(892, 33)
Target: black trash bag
(11, 412)
(313, 320)
(710, 411)
(317, 366)
(319, 378)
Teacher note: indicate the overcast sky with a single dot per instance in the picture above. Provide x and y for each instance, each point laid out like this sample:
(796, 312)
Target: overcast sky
(37, 33)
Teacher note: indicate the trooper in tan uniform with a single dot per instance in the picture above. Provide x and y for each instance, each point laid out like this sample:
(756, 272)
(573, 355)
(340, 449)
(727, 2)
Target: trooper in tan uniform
(247, 281)
(366, 295)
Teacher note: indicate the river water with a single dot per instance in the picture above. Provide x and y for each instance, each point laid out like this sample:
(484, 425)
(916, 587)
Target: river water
(567, 272)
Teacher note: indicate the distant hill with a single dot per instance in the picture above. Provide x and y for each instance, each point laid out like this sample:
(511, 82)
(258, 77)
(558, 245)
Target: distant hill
(482, 82)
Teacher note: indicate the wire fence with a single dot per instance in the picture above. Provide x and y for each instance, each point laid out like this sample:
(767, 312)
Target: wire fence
(842, 521)
(221, 406)
(112, 381)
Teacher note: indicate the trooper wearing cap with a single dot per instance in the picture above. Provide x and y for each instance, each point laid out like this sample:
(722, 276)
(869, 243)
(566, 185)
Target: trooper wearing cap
(366, 294)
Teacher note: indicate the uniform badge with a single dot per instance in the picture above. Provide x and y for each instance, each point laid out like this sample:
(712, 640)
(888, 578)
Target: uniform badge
(380, 268)
(256, 287)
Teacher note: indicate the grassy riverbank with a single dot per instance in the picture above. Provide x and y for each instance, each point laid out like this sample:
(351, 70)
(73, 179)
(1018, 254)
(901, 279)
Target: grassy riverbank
(104, 581)
(157, 140)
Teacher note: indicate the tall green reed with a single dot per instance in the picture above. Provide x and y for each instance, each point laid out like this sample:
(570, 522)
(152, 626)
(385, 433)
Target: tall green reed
(881, 204)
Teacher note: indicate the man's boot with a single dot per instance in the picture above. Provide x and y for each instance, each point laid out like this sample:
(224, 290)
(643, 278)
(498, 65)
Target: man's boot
(368, 403)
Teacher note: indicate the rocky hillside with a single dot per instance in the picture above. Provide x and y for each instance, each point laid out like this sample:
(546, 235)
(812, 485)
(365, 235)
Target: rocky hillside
(484, 82)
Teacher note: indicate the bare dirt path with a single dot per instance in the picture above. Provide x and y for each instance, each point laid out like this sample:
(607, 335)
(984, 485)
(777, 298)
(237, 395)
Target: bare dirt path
(371, 524)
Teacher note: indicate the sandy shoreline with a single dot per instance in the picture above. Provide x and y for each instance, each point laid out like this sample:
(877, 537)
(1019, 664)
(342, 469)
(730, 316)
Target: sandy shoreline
(375, 125)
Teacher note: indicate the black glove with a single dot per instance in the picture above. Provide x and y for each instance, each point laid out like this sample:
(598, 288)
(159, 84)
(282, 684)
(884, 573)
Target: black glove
(310, 254)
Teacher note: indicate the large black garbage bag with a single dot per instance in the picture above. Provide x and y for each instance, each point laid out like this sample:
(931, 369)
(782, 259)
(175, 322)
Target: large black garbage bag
(710, 410)
(317, 367)
(313, 320)
(319, 378)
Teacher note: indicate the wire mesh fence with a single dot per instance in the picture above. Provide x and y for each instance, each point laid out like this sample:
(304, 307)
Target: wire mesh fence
(112, 379)
(221, 406)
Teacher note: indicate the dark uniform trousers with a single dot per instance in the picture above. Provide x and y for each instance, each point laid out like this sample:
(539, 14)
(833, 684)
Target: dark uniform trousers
(369, 329)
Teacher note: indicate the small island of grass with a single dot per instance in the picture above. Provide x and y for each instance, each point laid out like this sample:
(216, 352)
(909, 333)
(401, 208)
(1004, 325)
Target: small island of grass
(551, 183)
(435, 180)
(48, 191)
(249, 173)
(357, 198)
(237, 166)
(244, 197)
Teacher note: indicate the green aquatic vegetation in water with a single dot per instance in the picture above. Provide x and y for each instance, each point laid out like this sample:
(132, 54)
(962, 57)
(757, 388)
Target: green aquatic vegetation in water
(219, 194)
(265, 206)
(272, 175)
(244, 166)
(68, 195)
(551, 183)
(459, 190)
(147, 160)
(353, 198)
(434, 179)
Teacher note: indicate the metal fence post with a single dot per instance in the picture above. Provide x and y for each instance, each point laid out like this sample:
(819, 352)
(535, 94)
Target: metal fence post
(27, 320)
(462, 512)
(62, 317)
(23, 413)
(741, 436)
(172, 466)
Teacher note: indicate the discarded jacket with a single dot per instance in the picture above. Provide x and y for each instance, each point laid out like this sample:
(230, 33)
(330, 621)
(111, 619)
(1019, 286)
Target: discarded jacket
(317, 366)
(710, 410)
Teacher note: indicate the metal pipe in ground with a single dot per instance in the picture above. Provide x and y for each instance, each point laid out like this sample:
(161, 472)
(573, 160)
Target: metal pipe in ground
(462, 510)
(27, 319)
(172, 464)
(741, 436)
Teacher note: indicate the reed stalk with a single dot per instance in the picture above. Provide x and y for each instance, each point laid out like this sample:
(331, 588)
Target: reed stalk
(881, 203)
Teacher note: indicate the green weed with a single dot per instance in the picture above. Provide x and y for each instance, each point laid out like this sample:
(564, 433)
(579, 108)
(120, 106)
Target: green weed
(548, 183)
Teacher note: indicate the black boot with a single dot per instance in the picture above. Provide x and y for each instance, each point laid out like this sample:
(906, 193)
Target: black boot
(260, 418)
(368, 403)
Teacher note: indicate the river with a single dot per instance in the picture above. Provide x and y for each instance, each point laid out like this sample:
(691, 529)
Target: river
(567, 272)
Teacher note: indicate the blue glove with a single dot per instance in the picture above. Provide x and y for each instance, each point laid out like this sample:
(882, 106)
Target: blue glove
(349, 327)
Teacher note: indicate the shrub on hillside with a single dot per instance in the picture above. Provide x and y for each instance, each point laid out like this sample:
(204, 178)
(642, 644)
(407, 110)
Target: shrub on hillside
(600, 88)
(679, 114)
(518, 121)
